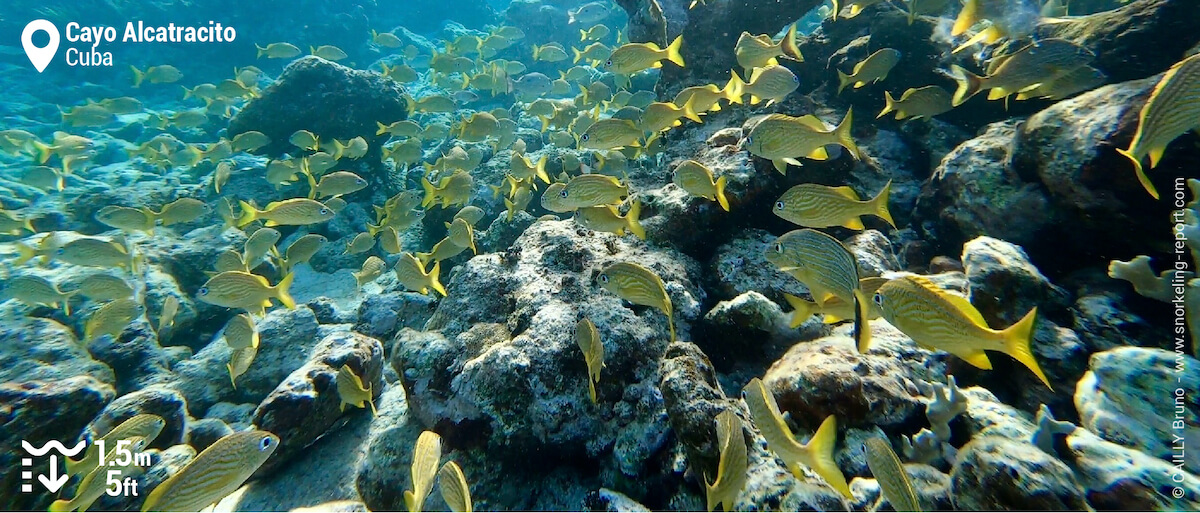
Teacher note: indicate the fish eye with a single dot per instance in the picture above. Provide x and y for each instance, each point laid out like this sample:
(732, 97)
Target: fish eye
(265, 443)
(325, 212)
(203, 291)
(749, 140)
(778, 247)
(603, 278)
(608, 62)
(795, 79)
(778, 205)
(878, 299)
(563, 194)
(584, 137)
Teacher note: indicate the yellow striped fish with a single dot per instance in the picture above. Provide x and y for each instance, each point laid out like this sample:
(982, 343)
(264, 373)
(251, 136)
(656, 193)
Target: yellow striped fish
(817, 454)
(239, 362)
(697, 180)
(95, 483)
(258, 245)
(239, 289)
(892, 477)
(111, 319)
(94, 253)
(821, 206)
(411, 273)
(144, 425)
(606, 218)
(923, 102)
(731, 465)
(240, 332)
(828, 269)
(758, 51)
(782, 139)
(443, 250)
(455, 491)
(834, 310)
(592, 190)
(295, 211)
(1029, 67)
(35, 290)
(1173, 109)
(372, 268)
(872, 69)
(300, 251)
(639, 286)
(351, 390)
(426, 456)
(589, 342)
(461, 234)
(936, 319)
(214, 473)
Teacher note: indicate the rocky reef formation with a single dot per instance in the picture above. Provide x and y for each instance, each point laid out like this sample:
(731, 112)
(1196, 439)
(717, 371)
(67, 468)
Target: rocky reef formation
(325, 98)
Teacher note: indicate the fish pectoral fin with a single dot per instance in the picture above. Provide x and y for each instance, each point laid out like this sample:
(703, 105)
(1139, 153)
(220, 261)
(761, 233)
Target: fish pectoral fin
(793, 162)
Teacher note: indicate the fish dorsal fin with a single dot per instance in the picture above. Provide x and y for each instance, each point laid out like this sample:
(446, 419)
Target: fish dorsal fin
(813, 122)
(755, 73)
(958, 302)
(846, 191)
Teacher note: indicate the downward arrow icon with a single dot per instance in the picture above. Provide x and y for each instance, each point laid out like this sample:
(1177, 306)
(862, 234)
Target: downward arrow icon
(55, 481)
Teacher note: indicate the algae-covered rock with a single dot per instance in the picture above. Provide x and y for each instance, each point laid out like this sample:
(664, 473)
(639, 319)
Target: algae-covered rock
(325, 98)
(996, 473)
(38, 412)
(1005, 285)
(286, 337)
(306, 403)
(37, 349)
(829, 377)
(164, 402)
(1121, 478)
(1123, 398)
(504, 367)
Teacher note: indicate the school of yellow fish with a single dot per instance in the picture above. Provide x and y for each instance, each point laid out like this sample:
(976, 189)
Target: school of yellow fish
(605, 129)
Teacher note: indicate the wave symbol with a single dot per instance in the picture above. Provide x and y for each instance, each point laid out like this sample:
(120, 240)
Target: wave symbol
(53, 444)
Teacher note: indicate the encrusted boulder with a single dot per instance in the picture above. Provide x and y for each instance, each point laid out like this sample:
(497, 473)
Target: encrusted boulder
(325, 98)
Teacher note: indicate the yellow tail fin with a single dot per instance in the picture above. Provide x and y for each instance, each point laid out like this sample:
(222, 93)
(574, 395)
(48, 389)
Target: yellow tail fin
(43, 151)
(1017, 339)
(635, 226)
(788, 45)
(433, 279)
(801, 310)
(282, 293)
(820, 451)
(261, 51)
(969, 85)
(880, 204)
(430, 193)
(889, 107)
(843, 81)
(842, 133)
(248, 215)
(689, 110)
(836, 7)
(1141, 172)
(541, 169)
(966, 18)
(862, 327)
(138, 76)
(721, 199)
(673, 51)
(61, 505)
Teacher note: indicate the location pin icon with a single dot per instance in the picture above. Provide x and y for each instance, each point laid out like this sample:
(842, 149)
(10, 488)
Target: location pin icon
(40, 57)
